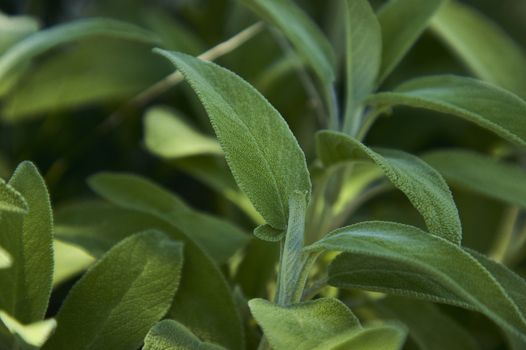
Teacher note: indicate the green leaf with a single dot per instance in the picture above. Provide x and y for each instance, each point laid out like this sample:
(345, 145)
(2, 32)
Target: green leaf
(5, 259)
(481, 174)
(70, 260)
(203, 303)
(262, 153)
(45, 40)
(105, 312)
(171, 335)
(33, 335)
(363, 58)
(218, 237)
(400, 259)
(430, 328)
(484, 104)
(26, 286)
(305, 325)
(497, 58)
(423, 186)
(402, 22)
(10, 200)
(308, 40)
(168, 135)
(15, 28)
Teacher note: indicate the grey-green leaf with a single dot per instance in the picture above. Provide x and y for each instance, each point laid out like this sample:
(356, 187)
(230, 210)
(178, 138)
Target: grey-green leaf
(401, 259)
(309, 42)
(486, 105)
(402, 22)
(10, 200)
(425, 188)
(363, 57)
(497, 58)
(15, 28)
(26, 286)
(305, 325)
(44, 40)
(204, 301)
(481, 173)
(262, 153)
(218, 237)
(168, 135)
(171, 335)
(105, 312)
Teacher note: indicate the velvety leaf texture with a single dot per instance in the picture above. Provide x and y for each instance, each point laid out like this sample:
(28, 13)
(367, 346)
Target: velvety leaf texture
(10, 200)
(204, 301)
(44, 40)
(26, 286)
(140, 276)
(168, 135)
(402, 23)
(496, 59)
(484, 104)
(425, 188)
(262, 153)
(481, 174)
(304, 326)
(400, 259)
(363, 57)
(171, 335)
(218, 237)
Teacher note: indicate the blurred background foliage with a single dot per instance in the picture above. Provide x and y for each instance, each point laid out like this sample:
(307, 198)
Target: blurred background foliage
(68, 109)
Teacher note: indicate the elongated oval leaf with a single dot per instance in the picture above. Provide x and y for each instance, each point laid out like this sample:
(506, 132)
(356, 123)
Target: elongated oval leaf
(435, 264)
(218, 237)
(262, 153)
(481, 174)
(402, 22)
(425, 188)
(105, 312)
(496, 59)
(167, 135)
(10, 200)
(44, 40)
(171, 335)
(310, 43)
(363, 57)
(204, 301)
(484, 104)
(26, 286)
(304, 325)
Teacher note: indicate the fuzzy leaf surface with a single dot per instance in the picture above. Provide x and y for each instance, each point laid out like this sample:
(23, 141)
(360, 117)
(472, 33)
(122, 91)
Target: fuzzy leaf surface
(139, 277)
(479, 102)
(423, 186)
(26, 286)
(171, 335)
(262, 153)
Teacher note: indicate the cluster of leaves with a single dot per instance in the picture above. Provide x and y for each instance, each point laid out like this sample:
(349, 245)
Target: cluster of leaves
(318, 272)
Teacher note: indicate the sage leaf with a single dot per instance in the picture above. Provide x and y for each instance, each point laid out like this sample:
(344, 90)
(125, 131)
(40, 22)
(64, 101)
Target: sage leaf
(168, 135)
(70, 260)
(423, 186)
(304, 35)
(15, 28)
(171, 335)
(262, 153)
(204, 301)
(26, 286)
(430, 328)
(305, 325)
(481, 174)
(496, 59)
(5, 259)
(10, 200)
(402, 23)
(363, 58)
(40, 42)
(33, 335)
(218, 237)
(400, 259)
(481, 103)
(148, 266)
